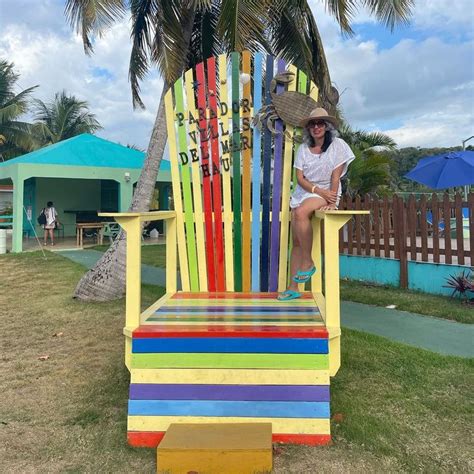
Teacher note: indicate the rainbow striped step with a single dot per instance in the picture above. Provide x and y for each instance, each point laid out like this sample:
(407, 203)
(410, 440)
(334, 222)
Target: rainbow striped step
(231, 358)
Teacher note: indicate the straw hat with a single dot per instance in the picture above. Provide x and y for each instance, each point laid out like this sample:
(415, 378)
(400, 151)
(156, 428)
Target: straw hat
(319, 114)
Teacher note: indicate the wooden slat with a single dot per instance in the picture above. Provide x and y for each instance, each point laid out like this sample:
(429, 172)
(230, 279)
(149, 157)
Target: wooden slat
(206, 177)
(216, 174)
(447, 228)
(386, 227)
(246, 188)
(186, 187)
(376, 218)
(350, 228)
(196, 179)
(267, 160)
(177, 198)
(459, 229)
(424, 229)
(358, 223)
(435, 214)
(411, 215)
(276, 193)
(285, 197)
(401, 218)
(237, 205)
(367, 225)
(224, 114)
(470, 200)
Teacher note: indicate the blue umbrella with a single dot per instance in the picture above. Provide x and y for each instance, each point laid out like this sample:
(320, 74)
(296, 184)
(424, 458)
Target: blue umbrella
(447, 170)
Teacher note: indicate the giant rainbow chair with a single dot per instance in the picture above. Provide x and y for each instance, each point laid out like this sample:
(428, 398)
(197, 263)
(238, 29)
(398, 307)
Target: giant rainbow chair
(223, 349)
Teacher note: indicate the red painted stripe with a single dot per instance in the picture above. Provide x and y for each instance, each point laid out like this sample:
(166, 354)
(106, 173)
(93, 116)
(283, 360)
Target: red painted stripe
(206, 170)
(216, 177)
(233, 295)
(160, 330)
(151, 439)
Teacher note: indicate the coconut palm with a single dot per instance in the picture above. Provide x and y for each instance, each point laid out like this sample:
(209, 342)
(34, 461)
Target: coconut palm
(15, 135)
(371, 168)
(175, 34)
(62, 118)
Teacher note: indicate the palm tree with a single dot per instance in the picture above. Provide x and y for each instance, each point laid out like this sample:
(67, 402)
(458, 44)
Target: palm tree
(15, 135)
(371, 168)
(174, 35)
(62, 118)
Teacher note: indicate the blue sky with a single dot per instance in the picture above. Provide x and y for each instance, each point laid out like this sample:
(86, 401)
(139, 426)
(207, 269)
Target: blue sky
(415, 84)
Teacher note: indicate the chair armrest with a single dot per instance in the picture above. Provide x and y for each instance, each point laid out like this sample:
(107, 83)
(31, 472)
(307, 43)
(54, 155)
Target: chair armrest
(143, 216)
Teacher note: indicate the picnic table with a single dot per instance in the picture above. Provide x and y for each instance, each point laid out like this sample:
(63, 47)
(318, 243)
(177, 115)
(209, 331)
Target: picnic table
(82, 226)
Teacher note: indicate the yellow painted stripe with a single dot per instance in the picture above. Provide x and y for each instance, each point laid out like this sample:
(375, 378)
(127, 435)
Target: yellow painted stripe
(183, 257)
(279, 425)
(246, 187)
(285, 196)
(226, 181)
(196, 180)
(231, 377)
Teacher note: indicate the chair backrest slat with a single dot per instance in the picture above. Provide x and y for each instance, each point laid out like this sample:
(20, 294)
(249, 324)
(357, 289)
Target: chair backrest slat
(231, 180)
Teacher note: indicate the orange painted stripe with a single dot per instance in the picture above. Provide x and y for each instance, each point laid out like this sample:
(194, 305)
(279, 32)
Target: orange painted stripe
(246, 187)
(151, 439)
(216, 177)
(232, 295)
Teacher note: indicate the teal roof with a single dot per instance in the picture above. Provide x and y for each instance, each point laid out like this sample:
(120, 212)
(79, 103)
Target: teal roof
(86, 150)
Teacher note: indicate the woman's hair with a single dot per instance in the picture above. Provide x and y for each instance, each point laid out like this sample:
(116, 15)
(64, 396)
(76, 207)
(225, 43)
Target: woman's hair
(49, 203)
(329, 136)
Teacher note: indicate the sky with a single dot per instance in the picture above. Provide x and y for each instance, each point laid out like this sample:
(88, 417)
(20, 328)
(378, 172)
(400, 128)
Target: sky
(415, 84)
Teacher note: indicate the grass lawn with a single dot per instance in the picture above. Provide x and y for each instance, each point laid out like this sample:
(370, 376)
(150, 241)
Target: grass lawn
(412, 301)
(395, 408)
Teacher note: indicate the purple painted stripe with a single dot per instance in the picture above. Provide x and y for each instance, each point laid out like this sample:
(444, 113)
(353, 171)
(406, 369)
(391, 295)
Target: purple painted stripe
(308, 393)
(238, 309)
(277, 175)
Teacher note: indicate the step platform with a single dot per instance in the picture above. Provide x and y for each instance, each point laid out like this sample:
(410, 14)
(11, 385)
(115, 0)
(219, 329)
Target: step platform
(231, 358)
(228, 448)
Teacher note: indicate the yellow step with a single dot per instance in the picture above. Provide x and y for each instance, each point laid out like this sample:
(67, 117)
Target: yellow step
(216, 448)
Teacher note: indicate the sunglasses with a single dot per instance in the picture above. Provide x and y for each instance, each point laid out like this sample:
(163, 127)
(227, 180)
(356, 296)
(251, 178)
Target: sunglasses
(318, 124)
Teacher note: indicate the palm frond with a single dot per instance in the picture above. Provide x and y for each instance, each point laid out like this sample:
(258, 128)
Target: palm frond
(93, 17)
(390, 12)
(343, 11)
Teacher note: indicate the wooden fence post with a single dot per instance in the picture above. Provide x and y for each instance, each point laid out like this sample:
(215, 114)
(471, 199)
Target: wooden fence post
(402, 241)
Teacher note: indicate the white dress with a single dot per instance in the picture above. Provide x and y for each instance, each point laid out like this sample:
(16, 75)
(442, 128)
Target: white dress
(51, 215)
(318, 169)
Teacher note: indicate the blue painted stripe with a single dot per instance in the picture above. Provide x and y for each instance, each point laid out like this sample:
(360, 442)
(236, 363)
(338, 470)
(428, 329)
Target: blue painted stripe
(256, 175)
(255, 409)
(230, 345)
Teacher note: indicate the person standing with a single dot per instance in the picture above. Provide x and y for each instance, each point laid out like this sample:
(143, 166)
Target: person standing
(320, 164)
(51, 222)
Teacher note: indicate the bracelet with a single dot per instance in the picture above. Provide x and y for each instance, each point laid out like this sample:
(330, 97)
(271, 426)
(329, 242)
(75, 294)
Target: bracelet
(312, 189)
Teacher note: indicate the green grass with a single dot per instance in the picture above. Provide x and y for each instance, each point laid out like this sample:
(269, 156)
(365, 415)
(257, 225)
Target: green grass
(154, 255)
(405, 300)
(399, 409)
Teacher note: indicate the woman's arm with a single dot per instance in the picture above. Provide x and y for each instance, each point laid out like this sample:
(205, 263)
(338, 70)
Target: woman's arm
(326, 194)
(335, 180)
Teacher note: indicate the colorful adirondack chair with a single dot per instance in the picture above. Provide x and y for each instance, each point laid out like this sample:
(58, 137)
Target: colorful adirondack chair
(223, 349)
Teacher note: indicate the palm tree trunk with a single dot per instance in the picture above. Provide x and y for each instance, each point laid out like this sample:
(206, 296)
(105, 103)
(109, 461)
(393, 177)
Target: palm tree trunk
(106, 280)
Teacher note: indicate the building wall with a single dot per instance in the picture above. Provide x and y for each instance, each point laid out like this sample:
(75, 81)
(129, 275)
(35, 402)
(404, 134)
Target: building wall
(67, 194)
(422, 276)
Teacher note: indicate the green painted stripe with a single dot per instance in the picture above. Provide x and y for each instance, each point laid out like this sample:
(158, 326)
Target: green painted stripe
(187, 196)
(236, 172)
(235, 361)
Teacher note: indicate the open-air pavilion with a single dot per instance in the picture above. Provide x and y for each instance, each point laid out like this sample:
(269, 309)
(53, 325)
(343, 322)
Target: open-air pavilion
(83, 175)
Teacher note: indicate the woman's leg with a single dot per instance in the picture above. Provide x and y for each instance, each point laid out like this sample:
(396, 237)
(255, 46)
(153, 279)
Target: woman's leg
(45, 240)
(303, 229)
(51, 235)
(295, 258)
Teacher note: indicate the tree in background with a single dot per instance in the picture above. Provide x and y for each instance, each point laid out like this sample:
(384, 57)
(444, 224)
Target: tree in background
(15, 135)
(62, 118)
(176, 34)
(370, 171)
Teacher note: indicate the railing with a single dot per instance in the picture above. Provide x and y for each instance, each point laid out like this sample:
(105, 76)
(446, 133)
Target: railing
(426, 229)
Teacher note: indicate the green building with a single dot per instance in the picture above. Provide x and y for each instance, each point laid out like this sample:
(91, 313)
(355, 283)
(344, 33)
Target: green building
(82, 176)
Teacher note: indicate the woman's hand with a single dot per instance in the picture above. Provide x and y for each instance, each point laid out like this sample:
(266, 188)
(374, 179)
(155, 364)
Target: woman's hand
(329, 207)
(328, 195)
